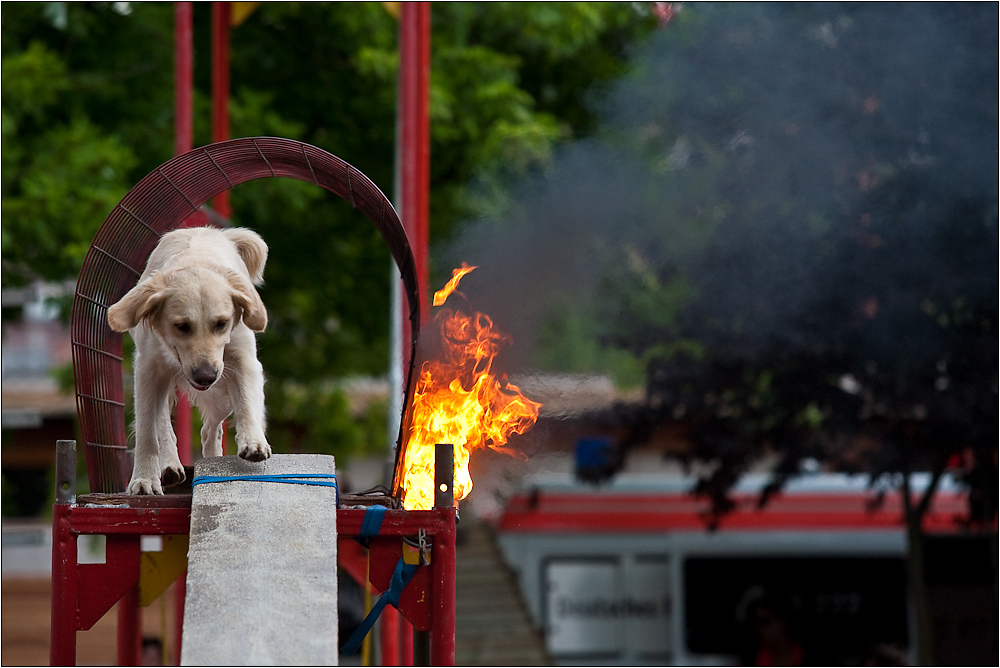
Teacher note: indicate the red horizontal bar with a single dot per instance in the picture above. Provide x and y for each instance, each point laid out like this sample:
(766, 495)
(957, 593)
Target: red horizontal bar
(397, 522)
(652, 521)
(603, 511)
(173, 521)
(686, 500)
(177, 520)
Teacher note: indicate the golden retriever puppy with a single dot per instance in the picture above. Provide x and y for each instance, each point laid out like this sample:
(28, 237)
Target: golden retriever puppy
(192, 316)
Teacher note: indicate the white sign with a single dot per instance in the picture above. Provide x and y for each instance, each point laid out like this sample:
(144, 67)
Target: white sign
(604, 608)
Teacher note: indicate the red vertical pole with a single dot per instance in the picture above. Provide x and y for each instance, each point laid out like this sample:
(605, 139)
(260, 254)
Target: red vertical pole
(183, 142)
(129, 628)
(221, 15)
(443, 579)
(183, 77)
(389, 636)
(220, 89)
(405, 642)
(414, 158)
(414, 83)
(62, 629)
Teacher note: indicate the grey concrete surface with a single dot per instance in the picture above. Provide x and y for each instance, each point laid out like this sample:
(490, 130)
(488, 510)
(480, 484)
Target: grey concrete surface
(262, 567)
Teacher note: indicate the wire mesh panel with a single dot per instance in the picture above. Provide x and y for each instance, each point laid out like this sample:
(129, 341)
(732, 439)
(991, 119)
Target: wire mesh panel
(159, 203)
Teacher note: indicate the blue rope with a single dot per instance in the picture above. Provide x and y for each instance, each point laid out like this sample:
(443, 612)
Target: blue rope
(401, 577)
(371, 524)
(315, 479)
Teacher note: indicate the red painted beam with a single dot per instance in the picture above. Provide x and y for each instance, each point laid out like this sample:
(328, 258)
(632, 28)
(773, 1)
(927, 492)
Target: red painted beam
(634, 512)
(389, 636)
(65, 587)
(183, 142)
(183, 77)
(443, 585)
(220, 89)
(130, 628)
(414, 147)
(108, 521)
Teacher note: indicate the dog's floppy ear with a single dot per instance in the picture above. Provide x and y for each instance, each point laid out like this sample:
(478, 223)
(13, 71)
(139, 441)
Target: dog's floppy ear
(245, 296)
(252, 250)
(139, 303)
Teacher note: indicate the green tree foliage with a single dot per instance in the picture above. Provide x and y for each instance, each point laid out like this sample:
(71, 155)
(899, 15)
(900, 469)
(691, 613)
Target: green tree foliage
(61, 174)
(88, 111)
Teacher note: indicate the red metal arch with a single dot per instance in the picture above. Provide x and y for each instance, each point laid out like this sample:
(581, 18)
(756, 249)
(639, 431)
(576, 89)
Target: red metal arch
(159, 203)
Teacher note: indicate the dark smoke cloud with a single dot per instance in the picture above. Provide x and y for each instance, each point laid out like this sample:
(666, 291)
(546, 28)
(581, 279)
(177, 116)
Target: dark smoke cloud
(784, 160)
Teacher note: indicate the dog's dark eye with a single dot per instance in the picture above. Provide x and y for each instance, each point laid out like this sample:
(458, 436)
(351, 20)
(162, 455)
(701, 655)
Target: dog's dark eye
(221, 325)
(183, 327)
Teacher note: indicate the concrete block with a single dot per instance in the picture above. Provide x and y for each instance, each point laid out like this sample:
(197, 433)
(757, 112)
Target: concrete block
(262, 567)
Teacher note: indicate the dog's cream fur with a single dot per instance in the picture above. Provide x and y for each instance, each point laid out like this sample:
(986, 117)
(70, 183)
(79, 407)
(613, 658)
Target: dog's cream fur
(192, 316)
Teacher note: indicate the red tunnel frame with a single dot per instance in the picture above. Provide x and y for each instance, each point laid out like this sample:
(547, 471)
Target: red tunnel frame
(159, 203)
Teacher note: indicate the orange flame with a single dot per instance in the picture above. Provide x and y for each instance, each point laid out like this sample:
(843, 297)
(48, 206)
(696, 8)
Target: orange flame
(456, 275)
(459, 400)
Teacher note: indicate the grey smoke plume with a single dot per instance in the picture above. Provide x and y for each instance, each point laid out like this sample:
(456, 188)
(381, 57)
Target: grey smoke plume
(767, 174)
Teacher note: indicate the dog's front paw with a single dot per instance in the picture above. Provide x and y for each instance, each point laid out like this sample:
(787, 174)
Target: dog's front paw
(145, 486)
(254, 450)
(172, 475)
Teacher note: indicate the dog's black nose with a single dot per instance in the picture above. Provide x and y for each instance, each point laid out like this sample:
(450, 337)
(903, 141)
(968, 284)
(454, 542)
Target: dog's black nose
(204, 374)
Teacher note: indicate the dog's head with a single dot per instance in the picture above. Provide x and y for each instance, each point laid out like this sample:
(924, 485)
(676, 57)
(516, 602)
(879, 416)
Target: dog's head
(193, 311)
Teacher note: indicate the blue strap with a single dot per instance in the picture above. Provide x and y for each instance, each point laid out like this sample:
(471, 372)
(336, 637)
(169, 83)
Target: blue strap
(401, 577)
(371, 524)
(315, 479)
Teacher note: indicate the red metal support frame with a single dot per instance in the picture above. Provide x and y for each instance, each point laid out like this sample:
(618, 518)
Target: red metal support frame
(129, 628)
(65, 589)
(389, 637)
(443, 602)
(183, 142)
(405, 642)
(428, 602)
(122, 559)
(221, 15)
(414, 140)
(183, 77)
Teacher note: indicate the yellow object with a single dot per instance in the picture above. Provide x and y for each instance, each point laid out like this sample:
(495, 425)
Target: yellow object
(419, 554)
(392, 8)
(240, 11)
(157, 570)
(366, 644)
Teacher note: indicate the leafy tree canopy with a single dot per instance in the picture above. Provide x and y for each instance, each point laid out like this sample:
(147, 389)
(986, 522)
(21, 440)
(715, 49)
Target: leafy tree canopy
(88, 110)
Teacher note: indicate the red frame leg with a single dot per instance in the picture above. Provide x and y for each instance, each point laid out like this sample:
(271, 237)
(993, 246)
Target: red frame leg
(62, 639)
(130, 628)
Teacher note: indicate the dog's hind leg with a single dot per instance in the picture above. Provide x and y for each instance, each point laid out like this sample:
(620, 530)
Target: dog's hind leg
(211, 439)
(213, 414)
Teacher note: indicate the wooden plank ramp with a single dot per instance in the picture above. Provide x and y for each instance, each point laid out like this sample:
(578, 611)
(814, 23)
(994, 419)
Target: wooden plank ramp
(262, 566)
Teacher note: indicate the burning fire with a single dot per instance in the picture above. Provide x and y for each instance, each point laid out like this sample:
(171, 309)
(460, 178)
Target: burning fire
(459, 400)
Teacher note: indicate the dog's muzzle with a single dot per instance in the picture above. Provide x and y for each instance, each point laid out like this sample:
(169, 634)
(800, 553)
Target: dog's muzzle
(203, 376)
